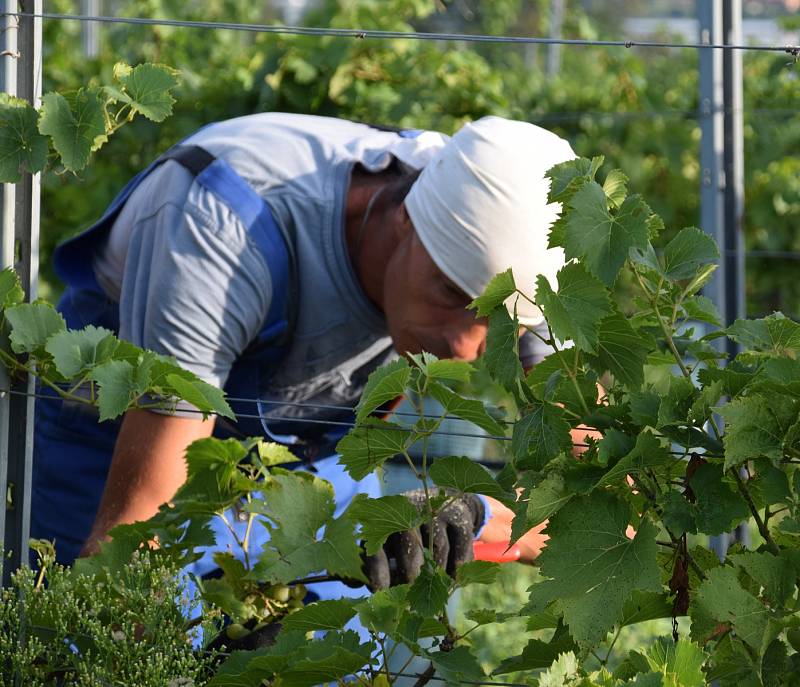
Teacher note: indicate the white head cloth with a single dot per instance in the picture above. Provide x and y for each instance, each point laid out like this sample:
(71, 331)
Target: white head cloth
(480, 206)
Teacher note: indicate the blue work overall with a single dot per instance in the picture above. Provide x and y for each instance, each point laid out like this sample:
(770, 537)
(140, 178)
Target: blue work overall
(73, 451)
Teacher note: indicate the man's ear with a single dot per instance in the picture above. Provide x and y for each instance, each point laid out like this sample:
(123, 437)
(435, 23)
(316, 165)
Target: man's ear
(403, 225)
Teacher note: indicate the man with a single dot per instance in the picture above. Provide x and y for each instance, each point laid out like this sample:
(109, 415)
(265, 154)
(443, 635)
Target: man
(285, 257)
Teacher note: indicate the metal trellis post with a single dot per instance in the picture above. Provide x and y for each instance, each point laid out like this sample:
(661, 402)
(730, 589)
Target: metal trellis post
(22, 76)
(722, 171)
(90, 30)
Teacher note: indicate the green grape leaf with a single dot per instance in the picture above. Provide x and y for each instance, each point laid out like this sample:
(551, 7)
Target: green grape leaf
(502, 350)
(722, 597)
(613, 446)
(733, 664)
(567, 177)
(246, 668)
(326, 660)
(331, 614)
(272, 454)
(541, 435)
(384, 384)
(646, 257)
(382, 611)
(499, 289)
(600, 239)
(645, 405)
(76, 124)
(775, 574)
(677, 402)
(299, 505)
(616, 187)
(477, 572)
(719, 506)
(622, 351)
(76, 351)
(576, 310)
(429, 592)
(116, 387)
(220, 593)
(702, 309)
(22, 147)
(456, 666)
(32, 324)
(146, 88)
(465, 475)
(536, 655)
(594, 567)
(11, 292)
(433, 368)
(467, 409)
(776, 335)
(201, 395)
(382, 517)
(370, 444)
(482, 616)
(648, 453)
(563, 672)
(680, 664)
(643, 606)
(539, 503)
(756, 426)
(214, 481)
(677, 514)
(688, 251)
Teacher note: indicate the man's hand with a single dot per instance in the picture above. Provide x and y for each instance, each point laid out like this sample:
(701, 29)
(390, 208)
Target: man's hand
(147, 468)
(498, 529)
(454, 530)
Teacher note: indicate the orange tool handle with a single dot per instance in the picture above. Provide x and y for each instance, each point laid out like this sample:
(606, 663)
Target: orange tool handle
(496, 552)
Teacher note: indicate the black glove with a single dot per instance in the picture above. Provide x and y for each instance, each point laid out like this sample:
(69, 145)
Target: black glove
(454, 530)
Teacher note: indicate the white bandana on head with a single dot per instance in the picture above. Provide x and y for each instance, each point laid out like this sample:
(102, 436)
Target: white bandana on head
(480, 206)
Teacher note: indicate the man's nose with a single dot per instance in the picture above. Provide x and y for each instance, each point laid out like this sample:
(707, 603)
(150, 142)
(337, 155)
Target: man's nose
(467, 344)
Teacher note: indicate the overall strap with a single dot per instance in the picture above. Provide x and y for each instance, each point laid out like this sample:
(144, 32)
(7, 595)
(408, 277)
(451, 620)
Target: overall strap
(73, 264)
(277, 249)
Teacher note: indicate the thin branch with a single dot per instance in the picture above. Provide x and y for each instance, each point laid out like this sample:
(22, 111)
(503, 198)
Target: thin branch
(762, 526)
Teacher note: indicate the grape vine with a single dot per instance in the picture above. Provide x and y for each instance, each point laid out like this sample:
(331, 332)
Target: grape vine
(681, 443)
(77, 123)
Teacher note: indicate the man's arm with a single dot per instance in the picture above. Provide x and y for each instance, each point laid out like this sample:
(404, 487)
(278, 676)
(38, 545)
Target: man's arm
(147, 468)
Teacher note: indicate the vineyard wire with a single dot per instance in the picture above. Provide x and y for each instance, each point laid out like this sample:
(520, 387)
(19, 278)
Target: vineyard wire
(339, 423)
(793, 50)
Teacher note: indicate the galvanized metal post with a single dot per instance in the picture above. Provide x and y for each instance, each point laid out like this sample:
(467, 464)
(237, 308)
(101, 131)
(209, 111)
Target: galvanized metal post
(20, 248)
(722, 171)
(556, 25)
(733, 100)
(8, 74)
(90, 30)
(712, 172)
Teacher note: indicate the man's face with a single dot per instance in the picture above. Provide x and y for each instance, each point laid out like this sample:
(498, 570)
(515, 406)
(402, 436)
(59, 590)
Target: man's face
(424, 310)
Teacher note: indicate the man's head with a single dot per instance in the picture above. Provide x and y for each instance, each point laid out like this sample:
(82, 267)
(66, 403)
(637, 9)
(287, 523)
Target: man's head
(477, 209)
(481, 206)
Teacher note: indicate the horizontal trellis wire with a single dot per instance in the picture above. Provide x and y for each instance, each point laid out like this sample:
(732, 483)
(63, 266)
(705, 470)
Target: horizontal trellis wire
(793, 50)
(338, 423)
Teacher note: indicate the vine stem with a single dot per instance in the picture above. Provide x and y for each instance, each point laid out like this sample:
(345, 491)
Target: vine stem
(246, 540)
(653, 298)
(611, 646)
(760, 523)
(570, 373)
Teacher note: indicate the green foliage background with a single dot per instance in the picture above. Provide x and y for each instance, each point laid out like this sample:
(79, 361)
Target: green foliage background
(602, 100)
